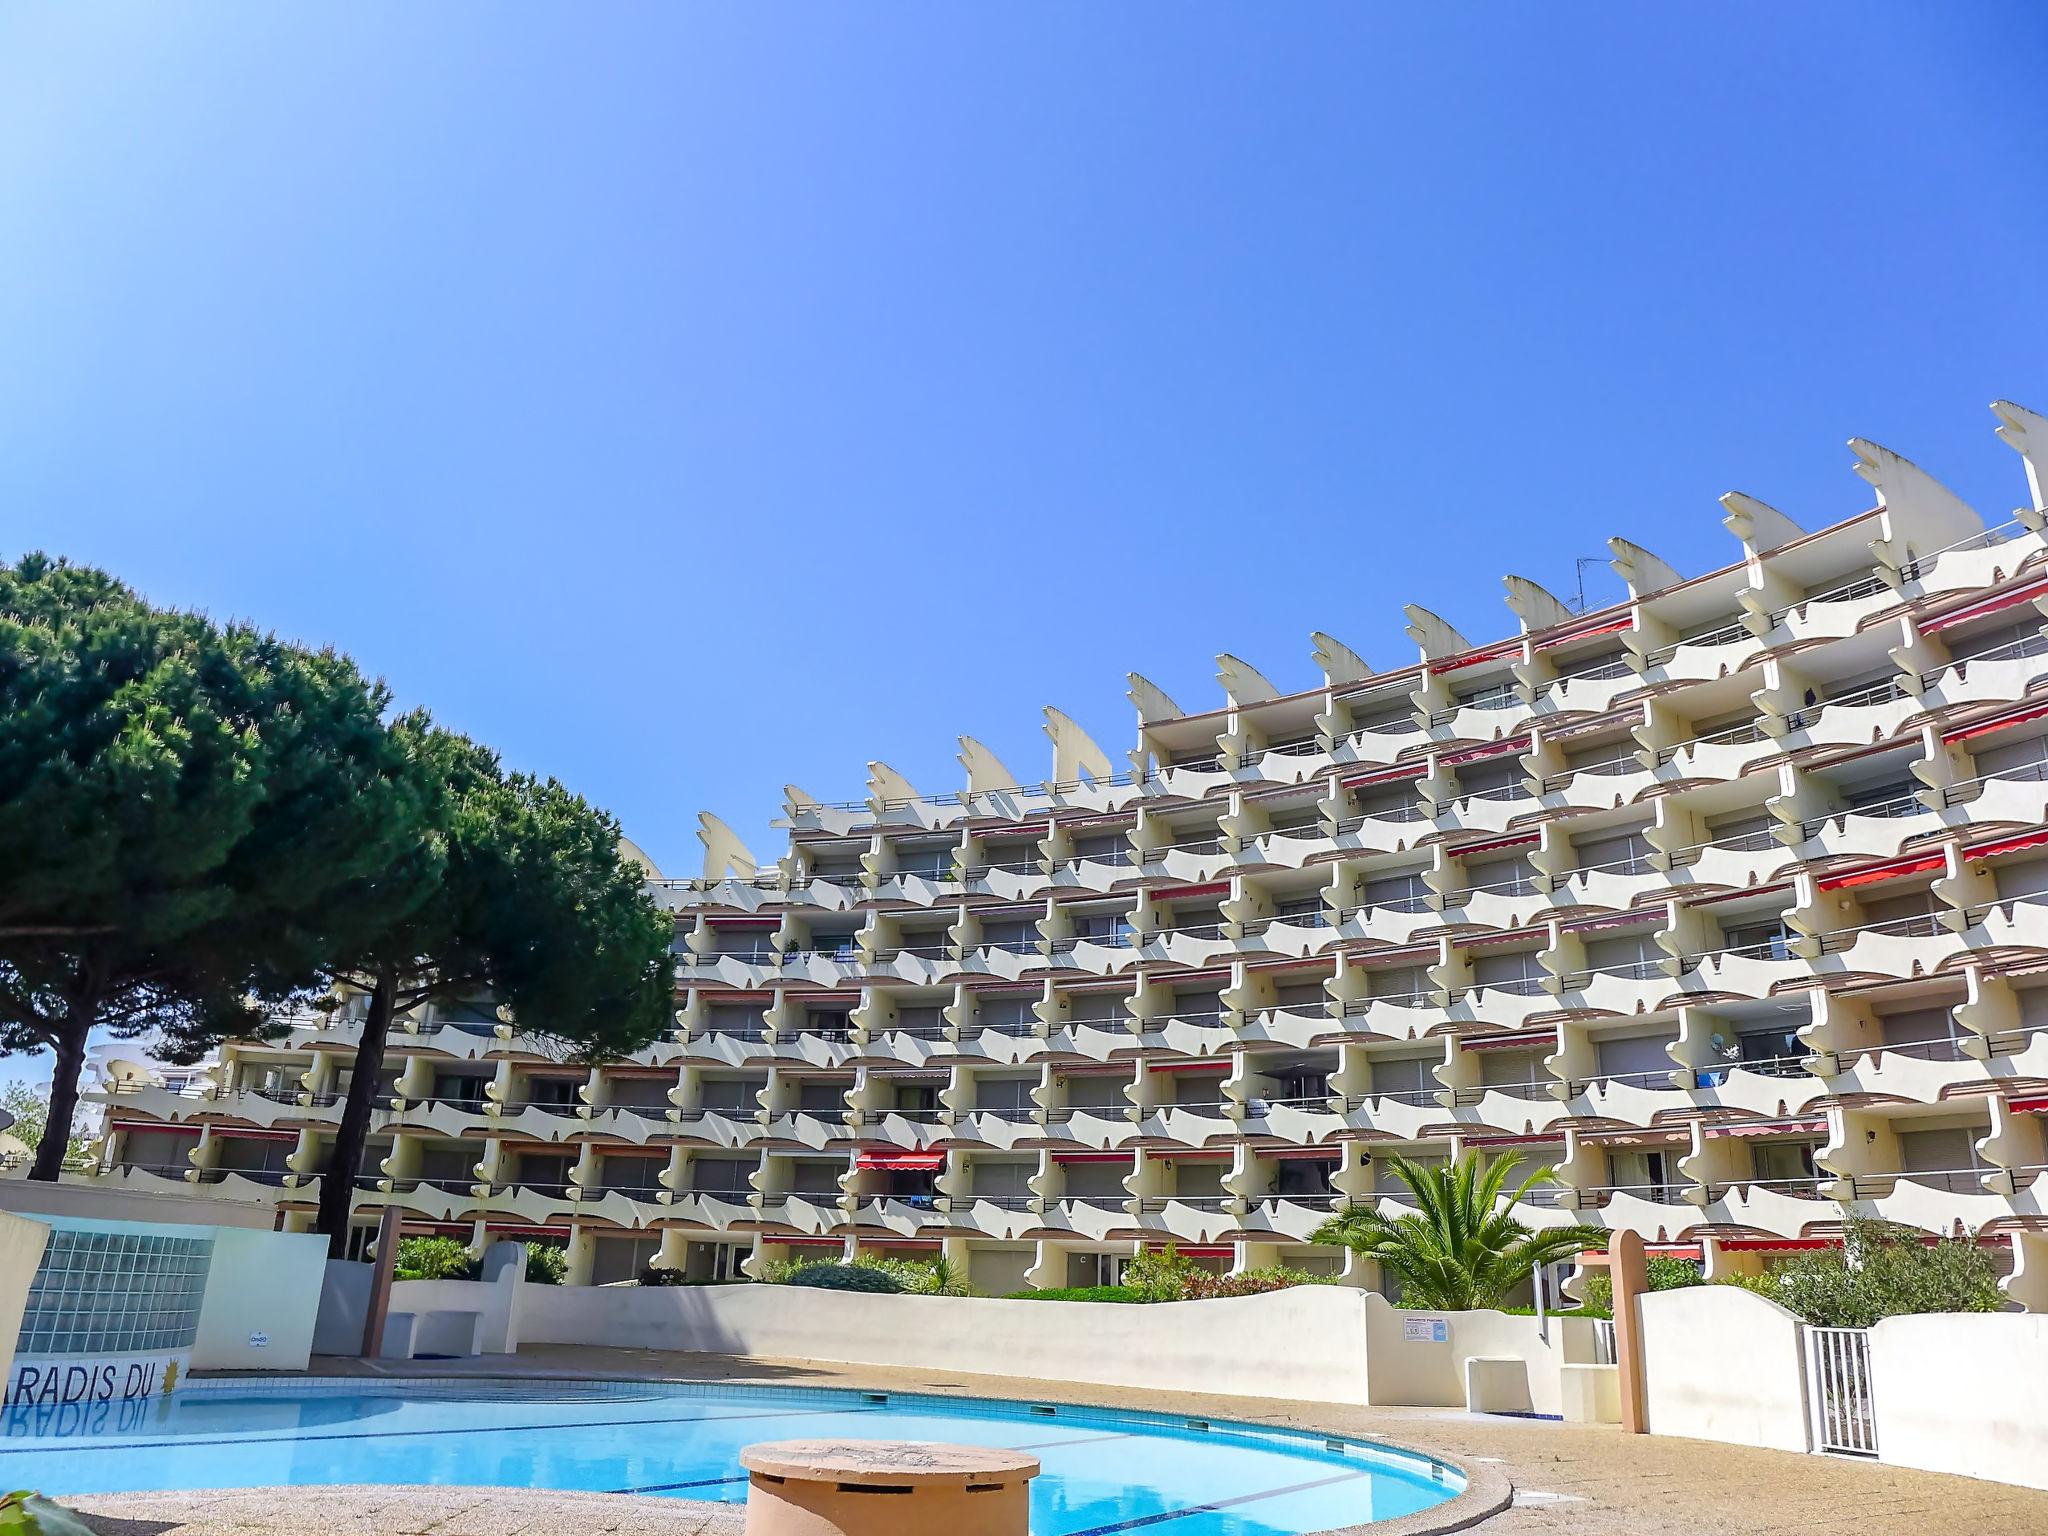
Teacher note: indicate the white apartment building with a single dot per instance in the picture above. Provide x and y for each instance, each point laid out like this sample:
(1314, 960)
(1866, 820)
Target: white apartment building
(1729, 903)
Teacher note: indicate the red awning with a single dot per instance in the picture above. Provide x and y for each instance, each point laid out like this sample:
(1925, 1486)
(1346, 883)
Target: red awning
(1654, 916)
(1193, 1155)
(1481, 754)
(1182, 892)
(1496, 845)
(1093, 1157)
(2024, 592)
(1996, 723)
(1512, 1141)
(157, 1125)
(1873, 874)
(2029, 1106)
(2002, 845)
(1388, 775)
(1508, 1042)
(1302, 1154)
(1474, 658)
(1191, 1066)
(236, 1133)
(743, 922)
(1612, 627)
(918, 1162)
(1768, 1128)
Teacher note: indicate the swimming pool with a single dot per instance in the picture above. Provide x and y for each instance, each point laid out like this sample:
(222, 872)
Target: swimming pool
(1105, 1472)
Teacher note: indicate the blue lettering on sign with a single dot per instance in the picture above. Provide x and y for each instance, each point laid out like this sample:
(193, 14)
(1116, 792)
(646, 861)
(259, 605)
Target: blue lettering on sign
(51, 1384)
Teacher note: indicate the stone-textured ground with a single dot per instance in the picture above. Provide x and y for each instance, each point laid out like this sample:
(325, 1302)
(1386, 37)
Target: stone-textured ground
(1570, 1480)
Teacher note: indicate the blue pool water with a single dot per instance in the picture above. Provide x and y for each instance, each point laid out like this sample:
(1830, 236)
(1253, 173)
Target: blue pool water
(1104, 1473)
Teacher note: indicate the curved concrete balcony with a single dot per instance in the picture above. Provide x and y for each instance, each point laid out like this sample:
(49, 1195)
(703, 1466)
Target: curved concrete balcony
(1007, 1046)
(999, 1128)
(1638, 988)
(1383, 833)
(1101, 872)
(716, 1209)
(534, 1122)
(1195, 1219)
(814, 1214)
(1489, 811)
(1294, 1217)
(1090, 1216)
(1296, 937)
(1295, 1026)
(1098, 957)
(999, 1216)
(1651, 1209)
(1189, 1124)
(1290, 765)
(1717, 653)
(1931, 1201)
(1096, 1126)
(914, 1130)
(1634, 1098)
(1722, 756)
(1003, 962)
(1601, 787)
(2019, 921)
(1013, 803)
(1480, 722)
(1497, 1003)
(1305, 1122)
(1984, 560)
(1519, 1109)
(2020, 797)
(722, 1128)
(1779, 1207)
(1403, 1017)
(1745, 971)
(1616, 886)
(1987, 679)
(1507, 905)
(1877, 832)
(1592, 692)
(900, 1216)
(1295, 847)
(1837, 613)
(1402, 1115)
(1903, 947)
(1737, 864)
(1763, 1090)
(1194, 947)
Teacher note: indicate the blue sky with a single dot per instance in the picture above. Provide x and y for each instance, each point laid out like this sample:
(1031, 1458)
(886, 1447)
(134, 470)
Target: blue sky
(693, 399)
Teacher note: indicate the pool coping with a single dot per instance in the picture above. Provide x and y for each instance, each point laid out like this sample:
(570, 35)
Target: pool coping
(1487, 1491)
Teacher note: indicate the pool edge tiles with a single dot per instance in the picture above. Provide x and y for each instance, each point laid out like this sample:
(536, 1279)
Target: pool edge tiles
(1434, 1468)
(1254, 1480)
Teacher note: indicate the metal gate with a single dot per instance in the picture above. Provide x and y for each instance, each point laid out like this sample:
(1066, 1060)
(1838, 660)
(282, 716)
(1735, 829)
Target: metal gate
(1838, 1391)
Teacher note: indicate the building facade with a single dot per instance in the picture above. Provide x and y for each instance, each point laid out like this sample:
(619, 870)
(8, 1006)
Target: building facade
(1728, 903)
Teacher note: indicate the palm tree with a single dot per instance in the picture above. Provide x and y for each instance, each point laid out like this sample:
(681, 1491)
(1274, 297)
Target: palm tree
(1463, 1248)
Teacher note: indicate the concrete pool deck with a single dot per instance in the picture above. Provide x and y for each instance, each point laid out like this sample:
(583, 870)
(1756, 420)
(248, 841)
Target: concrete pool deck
(1570, 1480)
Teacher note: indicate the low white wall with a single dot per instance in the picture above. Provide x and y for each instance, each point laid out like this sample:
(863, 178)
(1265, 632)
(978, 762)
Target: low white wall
(1422, 1373)
(1963, 1392)
(1722, 1363)
(1307, 1343)
(262, 1295)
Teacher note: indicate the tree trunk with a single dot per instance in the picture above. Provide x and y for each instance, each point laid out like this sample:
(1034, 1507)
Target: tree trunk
(338, 1183)
(80, 1009)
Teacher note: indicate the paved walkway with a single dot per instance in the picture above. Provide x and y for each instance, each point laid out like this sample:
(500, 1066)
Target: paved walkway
(1571, 1480)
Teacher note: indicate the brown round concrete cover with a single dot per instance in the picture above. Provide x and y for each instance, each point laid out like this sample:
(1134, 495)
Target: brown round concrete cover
(920, 1463)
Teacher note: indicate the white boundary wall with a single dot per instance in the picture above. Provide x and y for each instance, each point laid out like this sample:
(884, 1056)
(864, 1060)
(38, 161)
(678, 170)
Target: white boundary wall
(1722, 1363)
(1307, 1343)
(1963, 1392)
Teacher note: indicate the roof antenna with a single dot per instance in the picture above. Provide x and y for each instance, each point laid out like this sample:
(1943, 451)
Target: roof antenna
(1579, 575)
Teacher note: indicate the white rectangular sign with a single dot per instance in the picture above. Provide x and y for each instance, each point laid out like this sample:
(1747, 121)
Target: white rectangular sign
(1426, 1330)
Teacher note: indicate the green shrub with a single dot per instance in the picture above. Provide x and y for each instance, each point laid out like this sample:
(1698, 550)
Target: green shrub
(847, 1277)
(654, 1274)
(1665, 1274)
(1882, 1271)
(1203, 1286)
(1079, 1293)
(1165, 1275)
(546, 1263)
(434, 1258)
